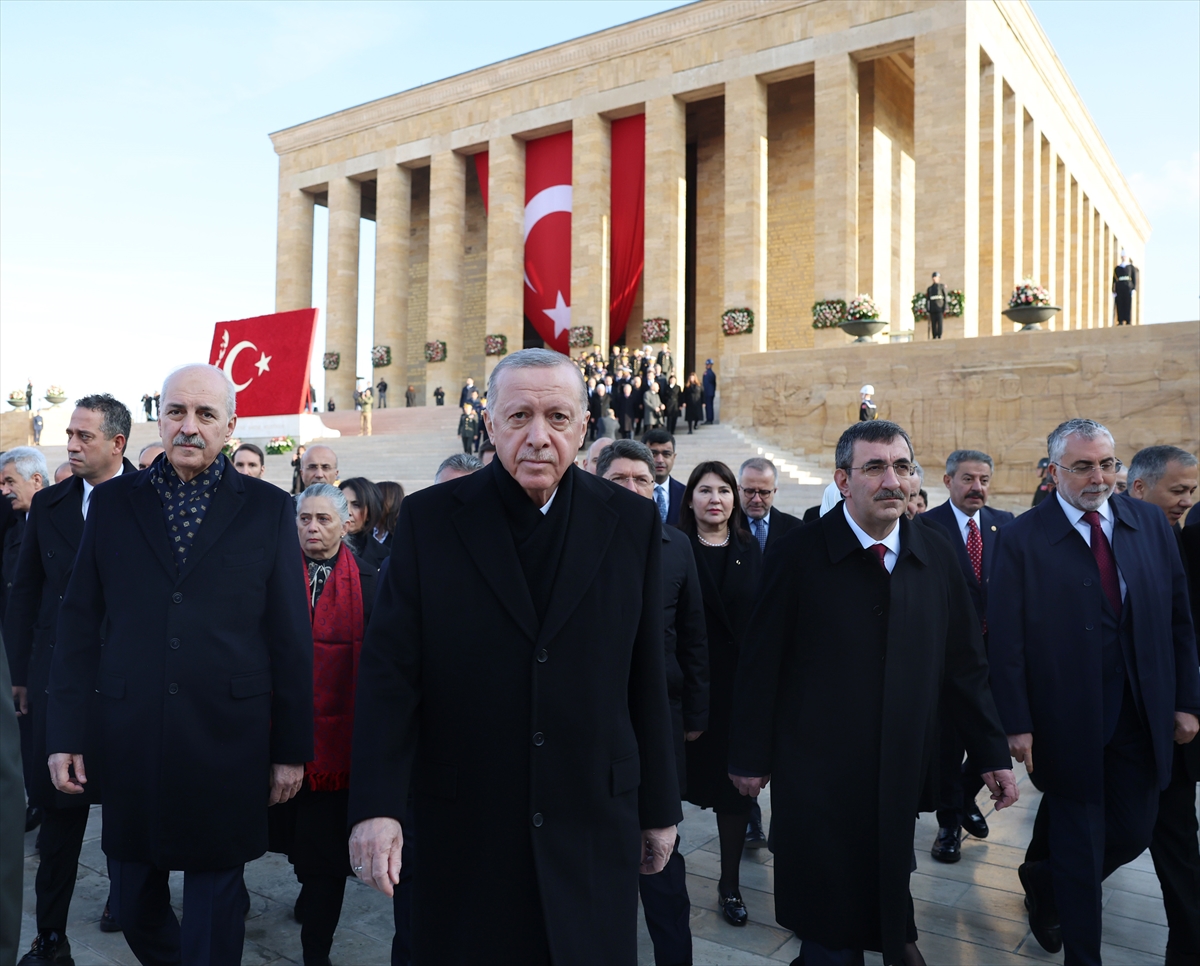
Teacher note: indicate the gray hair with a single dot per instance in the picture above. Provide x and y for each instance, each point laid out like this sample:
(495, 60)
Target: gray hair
(27, 461)
(1056, 442)
(155, 445)
(465, 462)
(230, 391)
(760, 464)
(960, 456)
(117, 418)
(624, 449)
(869, 431)
(325, 491)
(534, 359)
(1150, 464)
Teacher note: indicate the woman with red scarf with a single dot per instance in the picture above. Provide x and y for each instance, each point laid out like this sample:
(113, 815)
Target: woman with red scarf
(311, 828)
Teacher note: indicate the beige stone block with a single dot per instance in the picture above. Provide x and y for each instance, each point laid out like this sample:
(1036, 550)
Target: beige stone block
(591, 170)
(341, 315)
(294, 251)
(1049, 215)
(393, 200)
(746, 205)
(447, 209)
(506, 243)
(835, 178)
(666, 210)
(1063, 252)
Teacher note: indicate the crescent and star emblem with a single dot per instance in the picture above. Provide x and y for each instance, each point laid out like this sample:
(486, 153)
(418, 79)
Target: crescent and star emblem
(263, 364)
(546, 202)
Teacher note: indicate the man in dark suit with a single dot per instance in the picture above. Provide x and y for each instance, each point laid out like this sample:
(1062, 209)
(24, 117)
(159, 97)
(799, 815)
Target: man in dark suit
(685, 639)
(464, 397)
(709, 383)
(935, 304)
(1167, 476)
(96, 439)
(204, 676)
(863, 630)
(556, 720)
(1093, 661)
(758, 482)
(972, 527)
(23, 473)
(668, 491)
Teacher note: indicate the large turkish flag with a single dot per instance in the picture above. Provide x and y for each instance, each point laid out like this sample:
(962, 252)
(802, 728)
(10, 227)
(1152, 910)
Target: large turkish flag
(267, 359)
(548, 238)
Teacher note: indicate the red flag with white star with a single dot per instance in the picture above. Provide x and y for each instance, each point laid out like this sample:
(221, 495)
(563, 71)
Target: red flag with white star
(267, 359)
(548, 238)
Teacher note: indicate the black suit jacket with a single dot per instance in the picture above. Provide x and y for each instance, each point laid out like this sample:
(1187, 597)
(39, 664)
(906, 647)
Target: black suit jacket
(686, 644)
(205, 673)
(12, 528)
(779, 523)
(675, 491)
(990, 522)
(534, 751)
(811, 514)
(1045, 608)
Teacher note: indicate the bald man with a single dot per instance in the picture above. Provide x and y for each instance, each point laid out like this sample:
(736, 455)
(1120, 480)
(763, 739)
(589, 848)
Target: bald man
(593, 454)
(320, 465)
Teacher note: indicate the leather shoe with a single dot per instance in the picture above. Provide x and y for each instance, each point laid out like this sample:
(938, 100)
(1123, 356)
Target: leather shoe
(107, 922)
(1039, 901)
(974, 822)
(48, 947)
(732, 908)
(946, 845)
(754, 836)
(33, 817)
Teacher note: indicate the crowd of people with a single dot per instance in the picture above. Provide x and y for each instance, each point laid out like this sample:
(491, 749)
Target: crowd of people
(417, 690)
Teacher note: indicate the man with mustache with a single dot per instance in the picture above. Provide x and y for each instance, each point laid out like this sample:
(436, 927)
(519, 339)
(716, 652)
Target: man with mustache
(1093, 667)
(864, 629)
(538, 753)
(186, 616)
(972, 527)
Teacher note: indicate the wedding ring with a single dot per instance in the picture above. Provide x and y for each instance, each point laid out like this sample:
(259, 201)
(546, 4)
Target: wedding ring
(358, 868)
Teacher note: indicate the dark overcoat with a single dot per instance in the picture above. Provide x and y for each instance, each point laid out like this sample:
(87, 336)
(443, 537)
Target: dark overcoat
(685, 644)
(535, 752)
(205, 674)
(779, 523)
(1044, 639)
(675, 491)
(1189, 541)
(990, 522)
(839, 683)
(52, 535)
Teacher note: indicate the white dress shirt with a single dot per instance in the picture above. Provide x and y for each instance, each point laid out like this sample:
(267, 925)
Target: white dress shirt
(87, 490)
(963, 520)
(891, 542)
(550, 502)
(1075, 515)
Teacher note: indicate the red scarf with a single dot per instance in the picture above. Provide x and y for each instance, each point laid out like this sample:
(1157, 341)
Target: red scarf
(337, 625)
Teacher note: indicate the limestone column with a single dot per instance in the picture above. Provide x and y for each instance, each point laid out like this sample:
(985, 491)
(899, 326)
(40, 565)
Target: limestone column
(1014, 190)
(992, 296)
(875, 198)
(835, 179)
(447, 228)
(1087, 285)
(1049, 216)
(506, 244)
(341, 315)
(946, 145)
(1077, 248)
(1063, 251)
(1031, 200)
(746, 201)
(591, 176)
(666, 211)
(294, 251)
(393, 209)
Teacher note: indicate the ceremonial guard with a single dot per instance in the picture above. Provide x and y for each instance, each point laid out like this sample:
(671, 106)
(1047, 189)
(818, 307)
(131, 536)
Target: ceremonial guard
(1124, 282)
(867, 408)
(935, 301)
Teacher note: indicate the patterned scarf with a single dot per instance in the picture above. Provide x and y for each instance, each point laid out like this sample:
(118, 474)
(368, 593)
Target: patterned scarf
(184, 504)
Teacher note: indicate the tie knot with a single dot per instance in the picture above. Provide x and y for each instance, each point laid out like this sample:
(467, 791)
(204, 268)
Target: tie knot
(880, 552)
(972, 525)
(1092, 518)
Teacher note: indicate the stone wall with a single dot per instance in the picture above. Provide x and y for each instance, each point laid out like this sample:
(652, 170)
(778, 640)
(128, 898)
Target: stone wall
(1001, 395)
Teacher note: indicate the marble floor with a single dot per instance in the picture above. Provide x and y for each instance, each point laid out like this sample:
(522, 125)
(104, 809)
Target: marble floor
(967, 913)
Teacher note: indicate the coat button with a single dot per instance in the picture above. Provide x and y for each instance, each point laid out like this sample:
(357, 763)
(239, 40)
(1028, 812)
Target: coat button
(537, 819)
(1087, 627)
(174, 643)
(1088, 582)
(877, 609)
(177, 597)
(542, 655)
(173, 688)
(49, 553)
(539, 739)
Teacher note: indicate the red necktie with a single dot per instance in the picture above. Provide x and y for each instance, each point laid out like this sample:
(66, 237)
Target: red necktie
(1104, 560)
(880, 551)
(975, 552)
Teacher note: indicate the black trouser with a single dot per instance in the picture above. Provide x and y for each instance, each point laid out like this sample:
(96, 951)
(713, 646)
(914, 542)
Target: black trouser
(709, 415)
(935, 324)
(958, 781)
(1175, 848)
(668, 911)
(672, 422)
(61, 840)
(1124, 305)
(468, 443)
(321, 901)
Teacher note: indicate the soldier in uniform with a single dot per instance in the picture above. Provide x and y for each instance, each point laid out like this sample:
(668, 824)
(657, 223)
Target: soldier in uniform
(1124, 282)
(866, 408)
(935, 300)
(1045, 484)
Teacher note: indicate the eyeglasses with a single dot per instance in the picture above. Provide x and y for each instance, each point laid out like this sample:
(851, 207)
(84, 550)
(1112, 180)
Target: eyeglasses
(875, 468)
(1107, 467)
(753, 493)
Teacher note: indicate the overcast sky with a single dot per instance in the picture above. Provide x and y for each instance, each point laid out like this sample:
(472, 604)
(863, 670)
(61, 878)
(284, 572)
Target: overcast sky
(138, 186)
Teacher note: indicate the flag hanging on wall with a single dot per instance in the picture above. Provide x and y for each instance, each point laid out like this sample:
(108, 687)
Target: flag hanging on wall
(628, 204)
(267, 359)
(548, 238)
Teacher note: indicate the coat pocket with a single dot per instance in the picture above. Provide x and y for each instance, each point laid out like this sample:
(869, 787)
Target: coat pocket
(250, 685)
(626, 774)
(436, 779)
(110, 686)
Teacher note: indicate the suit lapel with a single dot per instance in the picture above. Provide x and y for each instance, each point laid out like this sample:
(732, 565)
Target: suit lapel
(226, 503)
(482, 527)
(66, 512)
(988, 520)
(148, 512)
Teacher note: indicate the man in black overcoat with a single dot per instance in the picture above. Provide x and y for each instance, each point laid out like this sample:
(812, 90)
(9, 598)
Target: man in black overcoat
(758, 482)
(864, 629)
(1093, 663)
(96, 439)
(537, 747)
(972, 527)
(935, 304)
(194, 572)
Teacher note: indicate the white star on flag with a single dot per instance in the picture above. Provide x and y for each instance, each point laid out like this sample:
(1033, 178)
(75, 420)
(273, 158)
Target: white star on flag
(560, 315)
(263, 363)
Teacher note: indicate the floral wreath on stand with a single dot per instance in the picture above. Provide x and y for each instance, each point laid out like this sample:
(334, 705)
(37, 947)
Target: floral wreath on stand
(381, 356)
(495, 345)
(280, 444)
(580, 336)
(435, 351)
(656, 330)
(862, 308)
(827, 313)
(737, 321)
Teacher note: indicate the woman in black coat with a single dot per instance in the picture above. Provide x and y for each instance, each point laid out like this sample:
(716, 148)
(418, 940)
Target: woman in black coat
(693, 403)
(730, 567)
(366, 515)
(669, 394)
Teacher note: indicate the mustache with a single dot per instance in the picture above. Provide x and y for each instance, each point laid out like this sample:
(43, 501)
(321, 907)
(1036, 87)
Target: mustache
(1096, 488)
(891, 495)
(531, 455)
(195, 439)
(976, 494)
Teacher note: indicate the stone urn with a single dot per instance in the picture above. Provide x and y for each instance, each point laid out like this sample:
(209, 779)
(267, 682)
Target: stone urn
(1031, 317)
(55, 399)
(17, 403)
(863, 328)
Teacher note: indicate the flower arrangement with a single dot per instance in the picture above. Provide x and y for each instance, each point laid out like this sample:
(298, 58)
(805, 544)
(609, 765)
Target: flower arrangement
(330, 361)
(231, 446)
(955, 300)
(828, 313)
(495, 345)
(1028, 294)
(381, 356)
(55, 392)
(862, 307)
(280, 444)
(16, 397)
(656, 330)
(737, 321)
(580, 336)
(435, 351)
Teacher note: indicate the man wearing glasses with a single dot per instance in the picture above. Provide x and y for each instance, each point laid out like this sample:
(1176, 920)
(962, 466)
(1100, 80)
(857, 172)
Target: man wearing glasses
(1093, 664)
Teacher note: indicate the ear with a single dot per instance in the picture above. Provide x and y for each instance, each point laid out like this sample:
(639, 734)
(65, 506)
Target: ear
(946, 479)
(841, 480)
(229, 429)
